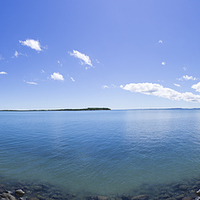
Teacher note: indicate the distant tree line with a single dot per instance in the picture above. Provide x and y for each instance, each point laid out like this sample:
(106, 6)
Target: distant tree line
(63, 109)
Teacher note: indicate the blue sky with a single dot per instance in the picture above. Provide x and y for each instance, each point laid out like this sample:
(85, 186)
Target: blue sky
(120, 54)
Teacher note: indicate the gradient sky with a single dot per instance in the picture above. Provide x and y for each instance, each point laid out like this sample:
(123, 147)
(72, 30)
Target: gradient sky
(122, 54)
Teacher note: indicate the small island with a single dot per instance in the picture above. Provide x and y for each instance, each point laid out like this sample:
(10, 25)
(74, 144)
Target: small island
(63, 109)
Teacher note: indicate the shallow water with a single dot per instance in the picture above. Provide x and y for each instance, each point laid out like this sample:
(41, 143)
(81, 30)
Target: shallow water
(101, 152)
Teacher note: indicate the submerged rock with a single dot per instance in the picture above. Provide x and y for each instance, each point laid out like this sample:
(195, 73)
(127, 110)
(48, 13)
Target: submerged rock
(38, 188)
(102, 198)
(22, 198)
(180, 197)
(7, 196)
(140, 197)
(198, 192)
(187, 198)
(92, 198)
(126, 197)
(183, 187)
(20, 193)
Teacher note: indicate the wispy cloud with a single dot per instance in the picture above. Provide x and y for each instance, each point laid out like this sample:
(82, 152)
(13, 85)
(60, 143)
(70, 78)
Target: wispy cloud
(17, 54)
(33, 44)
(161, 81)
(57, 76)
(160, 91)
(104, 87)
(1, 57)
(160, 42)
(72, 79)
(187, 78)
(3, 72)
(184, 68)
(108, 87)
(32, 83)
(85, 60)
(177, 85)
(60, 63)
(163, 63)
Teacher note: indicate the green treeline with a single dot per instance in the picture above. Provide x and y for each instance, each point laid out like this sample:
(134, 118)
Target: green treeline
(64, 109)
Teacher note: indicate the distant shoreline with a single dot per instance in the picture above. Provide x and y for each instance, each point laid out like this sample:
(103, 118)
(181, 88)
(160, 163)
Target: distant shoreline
(92, 109)
(64, 109)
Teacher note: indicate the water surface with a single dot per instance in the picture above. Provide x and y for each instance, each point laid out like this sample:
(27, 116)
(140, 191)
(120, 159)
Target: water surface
(100, 152)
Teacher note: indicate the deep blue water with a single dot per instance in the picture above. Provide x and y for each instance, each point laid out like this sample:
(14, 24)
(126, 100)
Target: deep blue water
(101, 152)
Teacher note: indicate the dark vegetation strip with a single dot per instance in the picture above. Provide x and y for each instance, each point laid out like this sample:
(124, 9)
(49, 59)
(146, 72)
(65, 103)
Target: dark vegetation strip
(64, 109)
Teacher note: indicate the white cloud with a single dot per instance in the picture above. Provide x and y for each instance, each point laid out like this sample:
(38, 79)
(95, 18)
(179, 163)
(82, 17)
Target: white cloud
(33, 44)
(159, 91)
(177, 85)
(104, 87)
(163, 63)
(187, 78)
(196, 87)
(84, 58)
(32, 83)
(16, 54)
(160, 41)
(57, 76)
(59, 63)
(3, 73)
(42, 71)
(184, 68)
(72, 79)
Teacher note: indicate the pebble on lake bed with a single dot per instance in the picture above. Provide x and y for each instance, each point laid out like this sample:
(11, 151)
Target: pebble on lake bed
(140, 197)
(198, 192)
(102, 198)
(20, 193)
(7, 196)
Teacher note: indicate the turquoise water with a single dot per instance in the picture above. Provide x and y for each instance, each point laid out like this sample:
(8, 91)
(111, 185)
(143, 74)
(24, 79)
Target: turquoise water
(100, 152)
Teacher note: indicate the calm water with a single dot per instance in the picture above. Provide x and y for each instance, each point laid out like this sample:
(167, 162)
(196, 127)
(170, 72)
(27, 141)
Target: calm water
(101, 152)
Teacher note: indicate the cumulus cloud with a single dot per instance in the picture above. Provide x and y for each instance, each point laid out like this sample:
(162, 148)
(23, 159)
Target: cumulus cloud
(160, 41)
(85, 60)
(57, 76)
(196, 87)
(32, 83)
(187, 78)
(163, 63)
(33, 44)
(160, 91)
(177, 85)
(3, 73)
